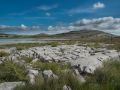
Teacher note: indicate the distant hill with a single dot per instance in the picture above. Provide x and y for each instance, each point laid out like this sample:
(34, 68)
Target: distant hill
(85, 34)
(69, 35)
(2, 35)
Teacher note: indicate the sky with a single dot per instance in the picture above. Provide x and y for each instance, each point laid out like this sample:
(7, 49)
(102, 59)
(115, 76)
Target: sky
(39, 16)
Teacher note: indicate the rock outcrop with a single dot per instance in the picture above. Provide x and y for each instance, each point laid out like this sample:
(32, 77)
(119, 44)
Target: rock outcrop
(83, 60)
(88, 59)
(9, 85)
(32, 74)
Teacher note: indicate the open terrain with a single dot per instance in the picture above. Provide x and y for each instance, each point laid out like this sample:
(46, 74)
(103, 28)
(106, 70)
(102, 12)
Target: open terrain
(77, 60)
(71, 34)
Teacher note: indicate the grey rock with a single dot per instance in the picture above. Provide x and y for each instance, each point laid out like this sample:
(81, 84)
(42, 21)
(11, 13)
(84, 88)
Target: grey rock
(65, 87)
(79, 77)
(32, 74)
(13, 50)
(10, 85)
(85, 56)
(49, 74)
(35, 60)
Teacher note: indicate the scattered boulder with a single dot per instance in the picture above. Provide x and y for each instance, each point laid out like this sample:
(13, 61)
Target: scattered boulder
(49, 74)
(10, 85)
(65, 87)
(88, 58)
(80, 77)
(35, 60)
(32, 74)
(13, 50)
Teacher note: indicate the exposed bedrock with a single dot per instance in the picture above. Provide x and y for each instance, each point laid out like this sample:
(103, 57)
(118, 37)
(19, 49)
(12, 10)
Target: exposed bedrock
(85, 59)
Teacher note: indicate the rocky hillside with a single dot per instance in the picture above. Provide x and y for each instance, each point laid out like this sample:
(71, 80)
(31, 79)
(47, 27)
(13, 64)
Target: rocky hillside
(5, 35)
(85, 34)
(69, 35)
(2, 35)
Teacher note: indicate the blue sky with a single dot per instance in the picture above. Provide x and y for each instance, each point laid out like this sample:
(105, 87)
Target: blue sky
(54, 12)
(46, 12)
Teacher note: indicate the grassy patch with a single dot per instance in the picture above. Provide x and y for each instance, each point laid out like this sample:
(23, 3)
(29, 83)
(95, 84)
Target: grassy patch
(21, 46)
(27, 59)
(53, 84)
(3, 54)
(94, 45)
(104, 78)
(114, 46)
(55, 67)
(10, 71)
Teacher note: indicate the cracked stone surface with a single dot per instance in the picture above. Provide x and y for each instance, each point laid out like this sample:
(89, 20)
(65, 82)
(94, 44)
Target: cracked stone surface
(87, 58)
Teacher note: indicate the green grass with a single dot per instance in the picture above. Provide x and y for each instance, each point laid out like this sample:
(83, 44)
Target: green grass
(104, 78)
(91, 42)
(3, 54)
(21, 46)
(26, 59)
(114, 46)
(53, 84)
(10, 71)
(55, 67)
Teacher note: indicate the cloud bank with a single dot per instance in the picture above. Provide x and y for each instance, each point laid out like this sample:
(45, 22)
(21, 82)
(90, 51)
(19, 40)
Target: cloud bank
(107, 24)
(21, 27)
(89, 9)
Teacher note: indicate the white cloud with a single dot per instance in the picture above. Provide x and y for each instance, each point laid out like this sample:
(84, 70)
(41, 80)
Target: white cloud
(48, 14)
(59, 29)
(98, 5)
(89, 9)
(107, 24)
(21, 27)
(50, 28)
(46, 8)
